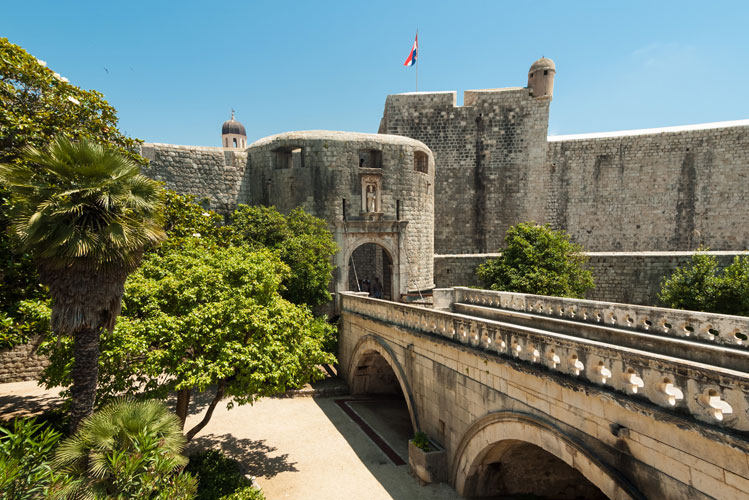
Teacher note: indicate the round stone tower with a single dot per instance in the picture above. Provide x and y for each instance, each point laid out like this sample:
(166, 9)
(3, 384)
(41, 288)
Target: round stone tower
(375, 191)
(233, 135)
(541, 78)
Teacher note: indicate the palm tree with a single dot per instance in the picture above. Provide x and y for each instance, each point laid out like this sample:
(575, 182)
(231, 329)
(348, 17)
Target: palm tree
(128, 449)
(85, 214)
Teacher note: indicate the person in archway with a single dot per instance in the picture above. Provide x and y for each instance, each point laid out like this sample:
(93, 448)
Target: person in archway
(377, 288)
(366, 286)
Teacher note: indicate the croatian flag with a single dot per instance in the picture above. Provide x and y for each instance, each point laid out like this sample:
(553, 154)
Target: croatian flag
(412, 56)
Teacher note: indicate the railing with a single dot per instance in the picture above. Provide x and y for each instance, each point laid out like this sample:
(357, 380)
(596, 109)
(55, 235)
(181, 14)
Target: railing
(717, 328)
(709, 393)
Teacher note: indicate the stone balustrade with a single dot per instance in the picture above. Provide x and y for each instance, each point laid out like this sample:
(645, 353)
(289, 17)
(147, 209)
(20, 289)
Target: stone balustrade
(711, 394)
(719, 329)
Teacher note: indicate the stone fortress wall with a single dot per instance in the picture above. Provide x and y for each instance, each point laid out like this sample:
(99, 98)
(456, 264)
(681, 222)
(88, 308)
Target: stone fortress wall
(214, 175)
(490, 155)
(669, 189)
(316, 170)
(661, 191)
(676, 188)
(624, 277)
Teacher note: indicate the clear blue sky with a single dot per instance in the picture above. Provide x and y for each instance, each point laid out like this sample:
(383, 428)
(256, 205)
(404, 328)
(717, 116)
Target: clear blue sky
(174, 70)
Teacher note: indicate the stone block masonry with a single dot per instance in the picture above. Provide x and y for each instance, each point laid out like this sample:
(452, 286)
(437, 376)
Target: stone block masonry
(22, 363)
(214, 175)
(625, 277)
(670, 189)
(489, 156)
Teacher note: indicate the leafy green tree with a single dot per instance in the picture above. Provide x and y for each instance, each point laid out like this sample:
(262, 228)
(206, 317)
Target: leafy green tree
(25, 452)
(127, 450)
(701, 286)
(540, 261)
(302, 241)
(84, 213)
(199, 316)
(37, 105)
(214, 316)
(184, 218)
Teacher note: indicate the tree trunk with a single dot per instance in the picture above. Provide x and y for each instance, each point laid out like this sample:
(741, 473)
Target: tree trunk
(183, 404)
(85, 301)
(219, 395)
(85, 375)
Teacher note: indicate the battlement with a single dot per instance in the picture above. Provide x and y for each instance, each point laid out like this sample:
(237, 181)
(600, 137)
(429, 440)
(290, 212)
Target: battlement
(449, 99)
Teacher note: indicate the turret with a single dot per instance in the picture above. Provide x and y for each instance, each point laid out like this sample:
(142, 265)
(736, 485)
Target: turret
(541, 78)
(233, 135)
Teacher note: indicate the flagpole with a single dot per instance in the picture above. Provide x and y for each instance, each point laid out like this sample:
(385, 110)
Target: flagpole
(418, 56)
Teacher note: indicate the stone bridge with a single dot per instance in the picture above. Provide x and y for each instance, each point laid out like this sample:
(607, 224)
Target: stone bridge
(559, 397)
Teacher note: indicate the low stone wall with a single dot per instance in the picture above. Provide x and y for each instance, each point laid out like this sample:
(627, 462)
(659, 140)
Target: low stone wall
(459, 269)
(627, 277)
(21, 363)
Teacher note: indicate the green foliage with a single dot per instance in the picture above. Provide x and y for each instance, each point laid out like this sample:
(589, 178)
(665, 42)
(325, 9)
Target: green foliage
(700, 286)
(126, 450)
(302, 241)
(220, 477)
(198, 315)
(185, 219)
(211, 314)
(36, 104)
(421, 441)
(246, 493)
(25, 451)
(540, 261)
(32, 318)
(80, 200)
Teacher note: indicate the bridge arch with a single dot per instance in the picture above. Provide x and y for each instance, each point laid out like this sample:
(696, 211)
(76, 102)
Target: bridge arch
(366, 346)
(498, 433)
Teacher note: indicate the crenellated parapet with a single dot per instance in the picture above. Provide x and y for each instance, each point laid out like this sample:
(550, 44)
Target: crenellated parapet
(490, 155)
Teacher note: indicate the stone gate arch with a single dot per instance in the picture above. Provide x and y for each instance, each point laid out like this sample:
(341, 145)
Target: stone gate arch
(372, 343)
(351, 235)
(388, 270)
(497, 428)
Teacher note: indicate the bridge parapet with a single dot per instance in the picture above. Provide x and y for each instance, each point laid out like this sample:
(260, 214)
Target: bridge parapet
(719, 329)
(706, 392)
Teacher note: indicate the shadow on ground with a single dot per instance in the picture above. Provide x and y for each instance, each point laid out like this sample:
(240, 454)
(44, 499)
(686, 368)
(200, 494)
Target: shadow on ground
(353, 434)
(253, 455)
(16, 405)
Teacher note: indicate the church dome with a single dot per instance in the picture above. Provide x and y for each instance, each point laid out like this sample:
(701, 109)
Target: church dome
(543, 63)
(232, 126)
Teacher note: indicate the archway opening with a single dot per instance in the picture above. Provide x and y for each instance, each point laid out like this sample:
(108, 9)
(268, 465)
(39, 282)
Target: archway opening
(516, 469)
(380, 402)
(371, 264)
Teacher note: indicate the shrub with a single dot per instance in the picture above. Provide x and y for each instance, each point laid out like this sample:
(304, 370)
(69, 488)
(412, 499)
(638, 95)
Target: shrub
(127, 450)
(540, 261)
(25, 450)
(421, 441)
(700, 286)
(218, 476)
(32, 318)
(246, 493)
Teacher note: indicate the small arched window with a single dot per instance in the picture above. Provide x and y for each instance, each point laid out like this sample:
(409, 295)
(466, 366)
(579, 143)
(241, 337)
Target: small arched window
(235, 142)
(421, 162)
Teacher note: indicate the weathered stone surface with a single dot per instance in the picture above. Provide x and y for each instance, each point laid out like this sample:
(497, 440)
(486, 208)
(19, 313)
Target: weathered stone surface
(490, 156)
(627, 277)
(634, 422)
(22, 363)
